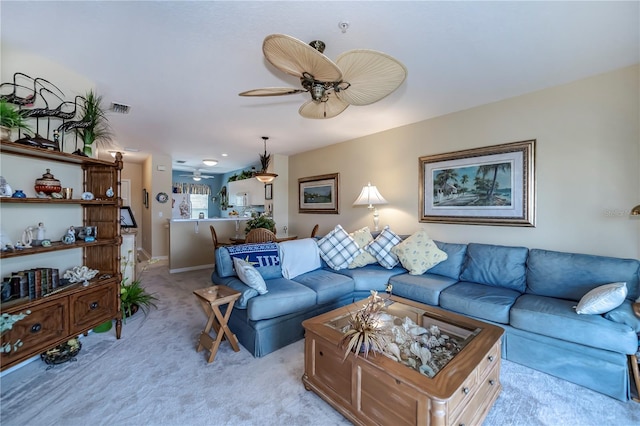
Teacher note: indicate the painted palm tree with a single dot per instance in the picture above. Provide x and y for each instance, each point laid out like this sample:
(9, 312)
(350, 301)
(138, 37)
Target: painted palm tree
(492, 168)
(443, 178)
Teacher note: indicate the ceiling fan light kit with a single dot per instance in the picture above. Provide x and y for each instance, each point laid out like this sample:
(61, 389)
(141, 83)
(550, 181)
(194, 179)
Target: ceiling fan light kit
(358, 77)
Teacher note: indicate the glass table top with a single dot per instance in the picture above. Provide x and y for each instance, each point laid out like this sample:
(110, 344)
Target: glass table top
(413, 336)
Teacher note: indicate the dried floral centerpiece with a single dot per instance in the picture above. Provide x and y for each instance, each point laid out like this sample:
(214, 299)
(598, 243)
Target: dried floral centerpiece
(426, 348)
(365, 332)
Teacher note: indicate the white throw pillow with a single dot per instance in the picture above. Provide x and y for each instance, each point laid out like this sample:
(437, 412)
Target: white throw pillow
(419, 253)
(338, 249)
(602, 299)
(381, 247)
(250, 275)
(362, 237)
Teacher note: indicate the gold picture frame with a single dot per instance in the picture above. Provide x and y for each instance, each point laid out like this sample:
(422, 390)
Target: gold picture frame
(493, 185)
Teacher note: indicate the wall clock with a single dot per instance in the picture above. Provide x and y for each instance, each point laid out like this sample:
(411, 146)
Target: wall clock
(162, 197)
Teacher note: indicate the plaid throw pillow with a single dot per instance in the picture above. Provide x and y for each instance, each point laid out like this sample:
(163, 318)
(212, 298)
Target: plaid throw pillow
(381, 247)
(338, 248)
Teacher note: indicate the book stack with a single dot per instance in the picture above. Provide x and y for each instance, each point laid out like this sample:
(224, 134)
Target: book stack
(34, 283)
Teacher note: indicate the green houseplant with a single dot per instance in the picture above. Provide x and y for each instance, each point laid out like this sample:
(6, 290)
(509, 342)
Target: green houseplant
(133, 296)
(260, 222)
(97, 127)
(11, 118)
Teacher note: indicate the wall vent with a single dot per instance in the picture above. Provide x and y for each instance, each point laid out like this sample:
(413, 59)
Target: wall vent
(120, 108)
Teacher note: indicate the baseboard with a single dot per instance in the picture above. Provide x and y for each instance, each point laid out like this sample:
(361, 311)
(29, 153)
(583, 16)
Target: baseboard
(192, 268)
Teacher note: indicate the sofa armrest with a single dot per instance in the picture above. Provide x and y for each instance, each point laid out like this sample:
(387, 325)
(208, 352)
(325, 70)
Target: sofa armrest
(624, 314)
(234, 282)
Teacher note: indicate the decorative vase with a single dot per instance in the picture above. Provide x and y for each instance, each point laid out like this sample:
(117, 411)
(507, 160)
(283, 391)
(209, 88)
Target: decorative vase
(48, 184)
(19, 194)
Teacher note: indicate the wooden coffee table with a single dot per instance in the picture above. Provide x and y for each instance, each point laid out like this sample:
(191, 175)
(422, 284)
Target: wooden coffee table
(380, 390)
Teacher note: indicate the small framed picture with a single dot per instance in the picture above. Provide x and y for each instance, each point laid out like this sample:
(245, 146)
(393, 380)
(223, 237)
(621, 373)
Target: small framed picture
(268, 191)
(318, 194)
(126, 218)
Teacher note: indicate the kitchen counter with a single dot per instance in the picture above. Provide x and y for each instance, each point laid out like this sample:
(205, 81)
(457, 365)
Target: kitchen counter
(211, 219)
(190, 243)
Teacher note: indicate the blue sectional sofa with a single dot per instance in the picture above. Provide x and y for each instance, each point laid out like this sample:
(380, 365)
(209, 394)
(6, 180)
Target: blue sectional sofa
(531, 293)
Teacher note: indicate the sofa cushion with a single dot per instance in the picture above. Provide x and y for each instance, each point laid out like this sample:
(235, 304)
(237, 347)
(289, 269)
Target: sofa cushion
(284, 297)
(329, 286)
(498, 266)
(452, 266)
(299, 257)
(425, 288)
(372, 277)
(571, 275)
(478, 300)
(381, 247)
(418, 253)
(263, 256)
(602, 299)
(556, 318)
(362, 237)
(338, 248)
(250, 275)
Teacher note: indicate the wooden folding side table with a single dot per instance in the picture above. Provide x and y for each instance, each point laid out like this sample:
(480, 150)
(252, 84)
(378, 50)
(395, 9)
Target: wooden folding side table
(211, 299)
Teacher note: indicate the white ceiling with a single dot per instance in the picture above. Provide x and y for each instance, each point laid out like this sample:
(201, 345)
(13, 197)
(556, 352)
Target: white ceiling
(181, 65)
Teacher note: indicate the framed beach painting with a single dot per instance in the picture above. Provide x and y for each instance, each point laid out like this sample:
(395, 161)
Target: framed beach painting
(318, 194)
(494, 185)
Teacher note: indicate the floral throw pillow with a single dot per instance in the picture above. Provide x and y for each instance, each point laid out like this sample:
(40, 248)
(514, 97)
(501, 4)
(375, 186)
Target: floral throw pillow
(338, 248)
(380, 248)
(362, 237)
(419, 253)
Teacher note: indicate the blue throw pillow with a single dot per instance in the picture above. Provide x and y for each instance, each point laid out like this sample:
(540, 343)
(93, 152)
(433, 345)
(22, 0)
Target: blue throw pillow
(264, 257)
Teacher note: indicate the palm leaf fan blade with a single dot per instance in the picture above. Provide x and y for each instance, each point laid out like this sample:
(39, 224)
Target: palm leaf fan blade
(372, 76)
(272, 91)
(295, 57)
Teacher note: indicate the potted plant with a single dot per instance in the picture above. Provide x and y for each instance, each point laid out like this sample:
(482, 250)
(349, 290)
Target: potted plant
(133, 296)
(11, 118)
(97, 127)
(261, 221)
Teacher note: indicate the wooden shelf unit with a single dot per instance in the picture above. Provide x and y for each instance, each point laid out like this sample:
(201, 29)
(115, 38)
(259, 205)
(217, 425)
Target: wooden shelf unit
(74, 309)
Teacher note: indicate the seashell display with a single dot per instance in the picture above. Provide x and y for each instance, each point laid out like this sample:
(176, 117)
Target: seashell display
(425, 349)
(79, 274)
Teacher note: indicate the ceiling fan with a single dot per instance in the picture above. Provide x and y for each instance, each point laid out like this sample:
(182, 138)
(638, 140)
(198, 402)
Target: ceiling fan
(197, 175)
(358, 77)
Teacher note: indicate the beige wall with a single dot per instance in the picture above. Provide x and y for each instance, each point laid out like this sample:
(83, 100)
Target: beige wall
(588, 153)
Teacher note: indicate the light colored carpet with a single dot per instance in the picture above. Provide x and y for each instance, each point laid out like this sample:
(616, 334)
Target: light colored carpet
(153, 376)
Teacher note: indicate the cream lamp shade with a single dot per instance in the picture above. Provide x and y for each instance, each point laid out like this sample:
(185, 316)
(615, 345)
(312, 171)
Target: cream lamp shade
(370, 197)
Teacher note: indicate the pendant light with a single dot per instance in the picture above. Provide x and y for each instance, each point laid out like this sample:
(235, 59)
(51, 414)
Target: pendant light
(264, 176)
